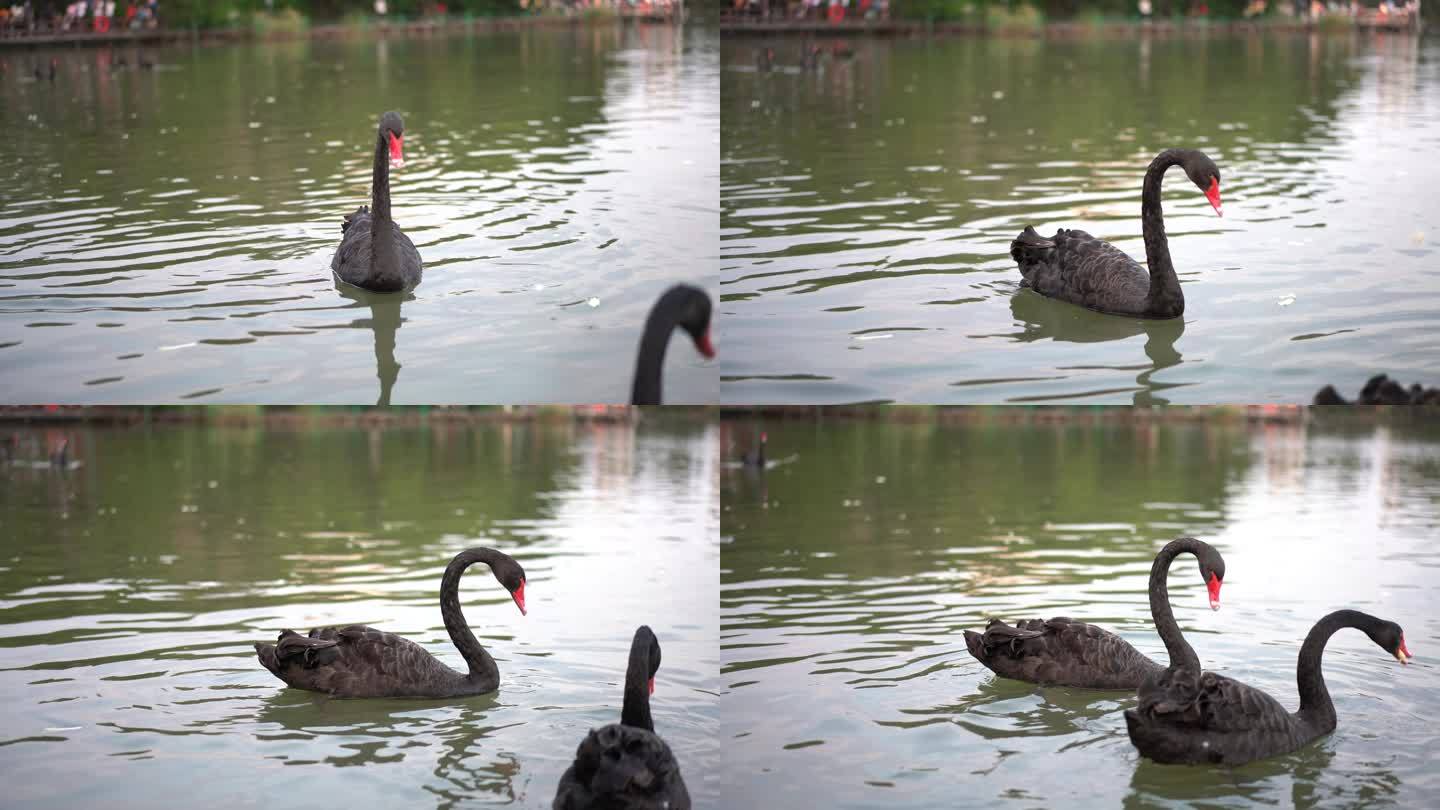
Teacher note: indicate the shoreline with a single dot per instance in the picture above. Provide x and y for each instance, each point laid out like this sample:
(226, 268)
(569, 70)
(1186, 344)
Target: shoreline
(1083, 415)
(1070, 29)
(376, 29)
(339, 416)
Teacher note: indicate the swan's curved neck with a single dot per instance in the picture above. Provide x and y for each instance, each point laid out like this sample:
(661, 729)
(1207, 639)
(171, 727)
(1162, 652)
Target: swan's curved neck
(636, 709)
(382, 242)
(1315, 703)
(482, 666)
(1181, 654)
(1165, 297)
(653, 343)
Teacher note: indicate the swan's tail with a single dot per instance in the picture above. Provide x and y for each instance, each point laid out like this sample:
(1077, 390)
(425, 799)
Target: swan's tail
(293, 648)
(1001, 637)
(266, 654)
(1030, 249)
(1029, 243)
(973, 643)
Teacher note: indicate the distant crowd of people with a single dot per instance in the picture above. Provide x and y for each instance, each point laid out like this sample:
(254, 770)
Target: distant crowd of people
(1314, 9)
(832, 10)
(82, 15)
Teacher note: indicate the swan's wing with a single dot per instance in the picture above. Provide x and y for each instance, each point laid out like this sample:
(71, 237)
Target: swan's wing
(411, 269)
(623, 766)
(1081, 255)
(356, 661)
(1211, 702)
(1059, 651)
(1079, 268)
(352, 258)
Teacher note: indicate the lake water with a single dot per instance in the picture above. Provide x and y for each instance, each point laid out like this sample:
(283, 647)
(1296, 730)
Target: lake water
(851, 569)
(867, 209)
(166, 233)
(133, 587)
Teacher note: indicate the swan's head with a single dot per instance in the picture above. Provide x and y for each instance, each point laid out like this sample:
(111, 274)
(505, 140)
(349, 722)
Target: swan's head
(1203, 172)
(1212, 570)
(394, 128)
(690, 307)
(645, 641)
(512, 576)
(695, 320)
(1391, 639)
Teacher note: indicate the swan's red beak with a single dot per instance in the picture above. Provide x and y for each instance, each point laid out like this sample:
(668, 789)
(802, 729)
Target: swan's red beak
(397, 151)
(520, 597)
(1403, 656)
(1213, 195)
(704, 345)
(1214, 586)
(652, 686)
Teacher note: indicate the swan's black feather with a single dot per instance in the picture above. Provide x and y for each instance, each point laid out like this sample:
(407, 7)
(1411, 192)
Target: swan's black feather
(1382, 390)
(1060, 651)
(345, 225)
(1076, 267)
(623, 768)
(1190, 717)
(357, 661)
(354, 260)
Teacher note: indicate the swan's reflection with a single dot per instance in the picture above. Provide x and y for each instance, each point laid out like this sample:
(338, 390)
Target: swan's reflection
(384, 322)
(377, 731)
(1304, 770)
(1044, 318)
(1001, 708)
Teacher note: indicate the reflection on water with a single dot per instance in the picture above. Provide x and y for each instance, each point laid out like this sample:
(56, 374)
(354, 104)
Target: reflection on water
(849, 574)
(384, 321)
(137, 578)
(167, 232)
(868, 205)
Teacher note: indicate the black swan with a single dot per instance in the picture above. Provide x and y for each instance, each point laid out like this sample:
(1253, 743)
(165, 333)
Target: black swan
(1381, 390)
(684, 306)
(1187, 717)
(626, 764)
(756, 457)
(374, 253)
(1064, 652)
(359, 661)
(1076, 267)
